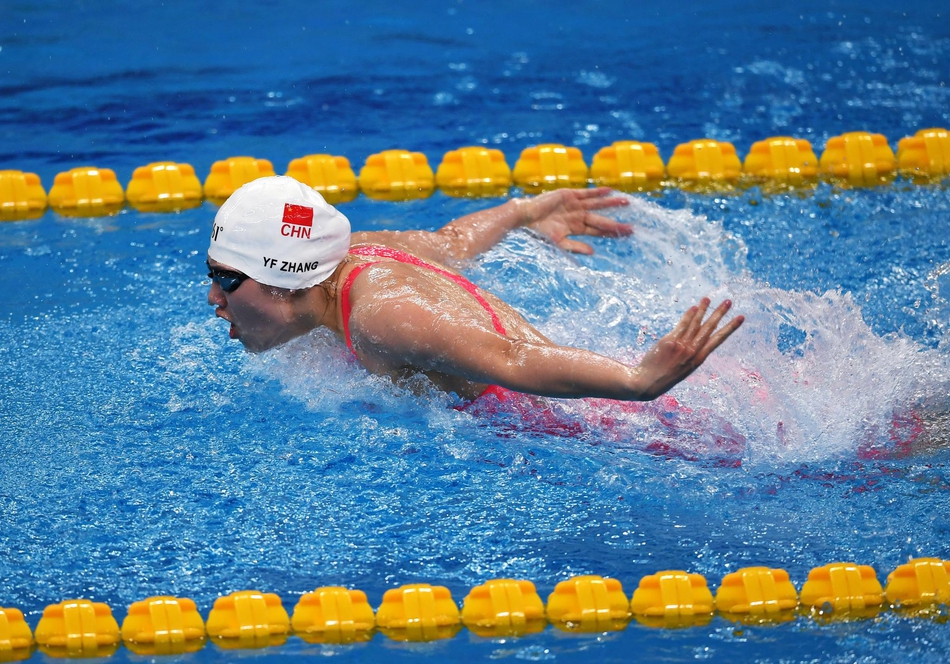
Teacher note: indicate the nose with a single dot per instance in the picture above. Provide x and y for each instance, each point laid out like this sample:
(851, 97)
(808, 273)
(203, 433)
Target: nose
(216, 296)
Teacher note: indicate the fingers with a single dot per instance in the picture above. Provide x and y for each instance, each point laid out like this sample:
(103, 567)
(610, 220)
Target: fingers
(703, 336)
(602, 201)
(575, 246)
(685, 322)
(588, 193)
(710, 325)
(598, 198)
(601, 198)
(596, 224)
(594, 192)
(697, 320)
(716, 340)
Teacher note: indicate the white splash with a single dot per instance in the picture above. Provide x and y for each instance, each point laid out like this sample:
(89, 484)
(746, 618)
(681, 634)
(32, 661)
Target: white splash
(804, 379)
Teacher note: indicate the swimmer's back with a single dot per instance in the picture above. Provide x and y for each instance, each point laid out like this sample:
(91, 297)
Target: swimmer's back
(422, 245)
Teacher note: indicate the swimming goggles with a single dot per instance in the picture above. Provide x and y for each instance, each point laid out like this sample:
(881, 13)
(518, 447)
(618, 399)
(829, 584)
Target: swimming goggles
(228, 281)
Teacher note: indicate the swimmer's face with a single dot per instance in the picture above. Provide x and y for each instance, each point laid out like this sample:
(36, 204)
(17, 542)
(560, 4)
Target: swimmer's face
(259, 315)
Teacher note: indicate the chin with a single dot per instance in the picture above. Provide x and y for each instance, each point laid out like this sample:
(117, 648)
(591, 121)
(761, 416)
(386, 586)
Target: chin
(252, 346)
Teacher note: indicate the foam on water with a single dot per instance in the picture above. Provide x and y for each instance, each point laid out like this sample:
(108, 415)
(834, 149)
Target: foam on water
(937, 315)
(805, 378)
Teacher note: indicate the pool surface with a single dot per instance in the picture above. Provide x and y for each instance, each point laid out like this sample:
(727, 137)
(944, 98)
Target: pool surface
(143, 453)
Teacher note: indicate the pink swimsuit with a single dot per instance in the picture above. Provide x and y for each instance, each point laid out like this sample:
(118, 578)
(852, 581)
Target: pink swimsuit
(403, 257)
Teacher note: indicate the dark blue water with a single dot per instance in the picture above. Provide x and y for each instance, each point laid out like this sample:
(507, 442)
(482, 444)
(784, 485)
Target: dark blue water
(142, 453)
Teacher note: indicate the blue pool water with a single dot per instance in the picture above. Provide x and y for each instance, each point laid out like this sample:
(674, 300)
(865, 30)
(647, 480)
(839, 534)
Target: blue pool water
(144, 453)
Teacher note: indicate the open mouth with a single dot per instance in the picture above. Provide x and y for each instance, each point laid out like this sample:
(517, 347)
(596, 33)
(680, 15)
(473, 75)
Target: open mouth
(232, 331)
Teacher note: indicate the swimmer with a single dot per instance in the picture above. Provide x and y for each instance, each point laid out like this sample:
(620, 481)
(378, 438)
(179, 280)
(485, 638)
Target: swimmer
(283, 262)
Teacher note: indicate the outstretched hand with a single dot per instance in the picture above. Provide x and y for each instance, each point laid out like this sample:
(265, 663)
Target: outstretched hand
(681, 351)
(564, 212)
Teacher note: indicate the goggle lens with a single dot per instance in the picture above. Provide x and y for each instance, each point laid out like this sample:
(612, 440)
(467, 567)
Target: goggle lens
(228, 281)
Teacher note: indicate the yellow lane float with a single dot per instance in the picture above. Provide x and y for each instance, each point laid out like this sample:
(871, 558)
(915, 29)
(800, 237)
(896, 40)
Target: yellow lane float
(705, 164)
(228, 175)
(397, 175)
(333, 615)
(21, 196)
(164, 186)
(77, 628)
(672, 599)
(926, 154)
(628, 166)
(504, 607)
(474, 171)
(920, 583)
(248, 619)
(783, 160)
(859, 159)
(16, 638)
(418, 612)
(550, 166)
(843, 587)
(588, 603)
(86, 191)
(757, 594)
(332, 176)
(163, 625)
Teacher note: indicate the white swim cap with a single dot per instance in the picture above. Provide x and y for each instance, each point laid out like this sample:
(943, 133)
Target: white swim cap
(280, 232)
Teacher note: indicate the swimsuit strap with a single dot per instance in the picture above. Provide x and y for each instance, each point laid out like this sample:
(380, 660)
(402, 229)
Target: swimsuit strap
(403, 257)
(345, 301)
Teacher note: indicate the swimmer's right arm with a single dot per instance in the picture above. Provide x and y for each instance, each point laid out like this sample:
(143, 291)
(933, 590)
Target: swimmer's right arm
(557, 214)
(427, 340)
(560, 371)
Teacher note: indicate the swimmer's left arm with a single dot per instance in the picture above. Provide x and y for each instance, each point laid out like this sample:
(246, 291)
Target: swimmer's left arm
(557, 214)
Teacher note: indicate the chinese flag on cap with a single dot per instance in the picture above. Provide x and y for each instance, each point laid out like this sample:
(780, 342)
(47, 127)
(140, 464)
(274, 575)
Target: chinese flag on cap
(301, 215)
